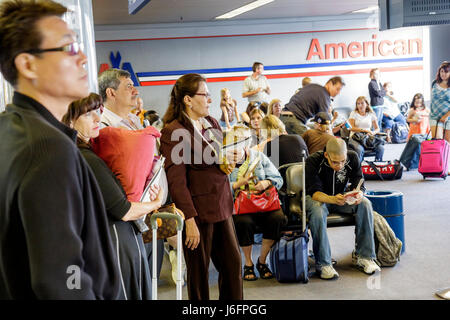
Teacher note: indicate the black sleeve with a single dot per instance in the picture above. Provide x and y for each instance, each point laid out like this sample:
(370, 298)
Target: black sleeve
(312, 179)
(116, 202)
(323, 104)
(52, 210)
(374, 92)
(356, 173)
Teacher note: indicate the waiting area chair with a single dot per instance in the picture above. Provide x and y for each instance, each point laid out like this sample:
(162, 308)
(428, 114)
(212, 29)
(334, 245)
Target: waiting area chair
(293, 200)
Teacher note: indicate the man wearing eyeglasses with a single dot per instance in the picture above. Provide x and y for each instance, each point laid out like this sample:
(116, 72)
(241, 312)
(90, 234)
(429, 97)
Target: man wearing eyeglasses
(120, 97)
(55, 241)
(329, 174)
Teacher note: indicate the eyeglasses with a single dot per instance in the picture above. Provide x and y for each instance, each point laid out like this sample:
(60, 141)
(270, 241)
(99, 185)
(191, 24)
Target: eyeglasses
(337, 163)
(72, 49)
(207, 95)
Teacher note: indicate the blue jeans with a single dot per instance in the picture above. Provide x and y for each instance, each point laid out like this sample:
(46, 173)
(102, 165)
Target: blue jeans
(223, 124)
(379, 112)
(359, 149)
(388, 122)
(317, 213)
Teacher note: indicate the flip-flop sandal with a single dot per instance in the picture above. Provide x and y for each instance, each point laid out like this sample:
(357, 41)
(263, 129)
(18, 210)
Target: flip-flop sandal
(249, 271)
(264, 271)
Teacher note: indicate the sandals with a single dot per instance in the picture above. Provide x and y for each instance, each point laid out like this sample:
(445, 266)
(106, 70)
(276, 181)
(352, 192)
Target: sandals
(249, 271)
(264, 271)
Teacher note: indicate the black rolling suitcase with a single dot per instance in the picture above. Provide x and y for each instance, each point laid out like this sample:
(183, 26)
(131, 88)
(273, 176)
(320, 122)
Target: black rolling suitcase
(289, 256)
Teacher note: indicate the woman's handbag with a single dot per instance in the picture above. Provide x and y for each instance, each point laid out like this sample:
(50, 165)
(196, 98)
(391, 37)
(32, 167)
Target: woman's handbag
(250, 202)
(367, 141)
(167, 228)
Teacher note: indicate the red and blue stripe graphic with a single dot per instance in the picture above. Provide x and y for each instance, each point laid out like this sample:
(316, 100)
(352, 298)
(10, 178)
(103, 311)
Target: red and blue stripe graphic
(159, 78)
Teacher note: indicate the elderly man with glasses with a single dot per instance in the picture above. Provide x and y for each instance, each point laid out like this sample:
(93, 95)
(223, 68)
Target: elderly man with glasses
(328, 173)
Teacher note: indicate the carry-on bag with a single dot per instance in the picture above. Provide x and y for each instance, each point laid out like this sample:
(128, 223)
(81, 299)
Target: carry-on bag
(382, 170)
(411, 154)
(399, 132)
(433, 162)
(289, 256)
(154, 226)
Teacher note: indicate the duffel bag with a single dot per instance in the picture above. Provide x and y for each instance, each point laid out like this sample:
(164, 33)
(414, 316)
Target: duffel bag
(382, 170)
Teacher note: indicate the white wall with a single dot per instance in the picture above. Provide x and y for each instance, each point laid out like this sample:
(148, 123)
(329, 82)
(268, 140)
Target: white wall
(193, 46)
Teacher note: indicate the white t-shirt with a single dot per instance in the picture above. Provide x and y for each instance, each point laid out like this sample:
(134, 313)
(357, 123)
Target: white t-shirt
(391, 108)
(251, 84)
(363, 122)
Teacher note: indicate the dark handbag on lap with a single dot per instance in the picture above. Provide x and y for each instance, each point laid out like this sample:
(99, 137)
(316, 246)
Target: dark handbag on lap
(166, 227)
(367, 141)
(264, 201)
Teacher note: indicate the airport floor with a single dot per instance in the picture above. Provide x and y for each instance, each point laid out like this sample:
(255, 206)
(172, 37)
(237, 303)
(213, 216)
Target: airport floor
(424, 267)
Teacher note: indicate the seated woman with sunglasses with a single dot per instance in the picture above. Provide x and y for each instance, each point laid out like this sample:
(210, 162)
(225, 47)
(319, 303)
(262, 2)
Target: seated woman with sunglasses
(84, 116)
(260, 178)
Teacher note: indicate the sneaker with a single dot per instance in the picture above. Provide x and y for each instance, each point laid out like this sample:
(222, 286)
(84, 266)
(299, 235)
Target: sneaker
(173, 262)
(328, 272)
(368, 266)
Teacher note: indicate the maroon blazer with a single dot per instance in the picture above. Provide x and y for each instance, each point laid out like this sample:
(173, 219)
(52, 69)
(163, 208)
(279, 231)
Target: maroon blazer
(196, 184)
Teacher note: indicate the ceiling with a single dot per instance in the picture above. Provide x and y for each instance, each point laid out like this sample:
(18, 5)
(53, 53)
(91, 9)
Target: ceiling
(173, 11)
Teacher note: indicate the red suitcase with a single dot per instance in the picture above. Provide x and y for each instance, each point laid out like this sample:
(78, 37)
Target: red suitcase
(433, 161)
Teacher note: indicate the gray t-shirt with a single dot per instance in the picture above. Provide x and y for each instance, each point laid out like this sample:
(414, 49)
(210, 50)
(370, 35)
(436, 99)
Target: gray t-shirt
(251, 84)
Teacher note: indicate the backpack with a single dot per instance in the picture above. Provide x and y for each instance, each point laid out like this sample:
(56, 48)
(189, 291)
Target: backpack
(399, 133)
(387, 246)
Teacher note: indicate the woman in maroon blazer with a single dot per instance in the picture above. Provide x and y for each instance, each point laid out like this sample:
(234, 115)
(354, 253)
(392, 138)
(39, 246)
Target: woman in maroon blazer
(190, 142)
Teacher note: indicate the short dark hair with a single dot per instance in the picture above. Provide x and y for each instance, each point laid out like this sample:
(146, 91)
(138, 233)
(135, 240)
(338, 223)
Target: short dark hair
(110, 78)
(18, 32)
(256, 65)
(336, 80)
(79, 107)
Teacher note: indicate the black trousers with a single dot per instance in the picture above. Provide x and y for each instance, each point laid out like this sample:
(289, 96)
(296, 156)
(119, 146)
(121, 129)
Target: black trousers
(218, 242)
(270, 224)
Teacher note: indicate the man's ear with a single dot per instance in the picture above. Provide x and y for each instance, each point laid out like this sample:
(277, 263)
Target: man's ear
(26, 65)
(110, 93)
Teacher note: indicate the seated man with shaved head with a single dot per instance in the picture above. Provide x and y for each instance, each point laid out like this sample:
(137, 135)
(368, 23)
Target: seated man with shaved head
(329, 175)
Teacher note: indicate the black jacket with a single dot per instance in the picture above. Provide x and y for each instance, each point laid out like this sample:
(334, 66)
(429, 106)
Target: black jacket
(321, 177)
(54, 235)
(377, 93)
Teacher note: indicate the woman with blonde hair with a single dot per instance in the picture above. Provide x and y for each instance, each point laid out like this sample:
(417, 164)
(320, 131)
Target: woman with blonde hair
(290, 147)
(228, 105)
(362, 120)
(263, 176)
(256, 115)
(275, 108)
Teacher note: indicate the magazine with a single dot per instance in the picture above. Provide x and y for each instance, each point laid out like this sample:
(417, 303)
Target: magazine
(352, 196)
(157, 172)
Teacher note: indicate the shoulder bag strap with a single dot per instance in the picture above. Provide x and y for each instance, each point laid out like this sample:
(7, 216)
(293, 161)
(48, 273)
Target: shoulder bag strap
(374, 167)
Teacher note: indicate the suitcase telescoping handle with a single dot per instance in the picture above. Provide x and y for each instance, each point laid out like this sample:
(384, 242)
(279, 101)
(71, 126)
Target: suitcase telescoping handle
(154, 224)
(303, 192)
